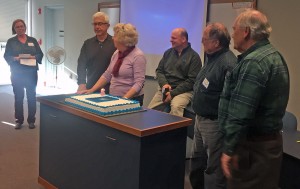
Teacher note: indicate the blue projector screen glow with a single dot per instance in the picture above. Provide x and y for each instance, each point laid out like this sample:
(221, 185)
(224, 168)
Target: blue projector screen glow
(155, 19)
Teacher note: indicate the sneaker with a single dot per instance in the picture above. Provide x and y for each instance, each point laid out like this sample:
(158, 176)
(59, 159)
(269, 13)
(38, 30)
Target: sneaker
(18, 125)
(31, 126)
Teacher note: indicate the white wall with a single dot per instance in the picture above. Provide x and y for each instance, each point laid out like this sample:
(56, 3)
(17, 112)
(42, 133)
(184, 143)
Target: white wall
(284, 18)
(10, 11)
(78, 18)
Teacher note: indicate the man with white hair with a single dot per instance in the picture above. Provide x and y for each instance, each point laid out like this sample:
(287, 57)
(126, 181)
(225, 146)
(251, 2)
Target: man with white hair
(252, 105)
(95, 53)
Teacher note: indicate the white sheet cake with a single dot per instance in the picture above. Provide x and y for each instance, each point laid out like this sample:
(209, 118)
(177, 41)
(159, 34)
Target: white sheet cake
(105, 105)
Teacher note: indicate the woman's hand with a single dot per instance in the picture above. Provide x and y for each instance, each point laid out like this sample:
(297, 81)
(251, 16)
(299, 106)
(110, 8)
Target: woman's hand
(16, 58)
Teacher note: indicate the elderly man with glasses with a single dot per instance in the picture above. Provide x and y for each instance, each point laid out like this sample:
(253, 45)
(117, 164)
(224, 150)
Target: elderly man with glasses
(95, 54)
(207, 143)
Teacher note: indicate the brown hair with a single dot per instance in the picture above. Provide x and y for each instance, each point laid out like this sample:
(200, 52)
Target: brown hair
(14, 23)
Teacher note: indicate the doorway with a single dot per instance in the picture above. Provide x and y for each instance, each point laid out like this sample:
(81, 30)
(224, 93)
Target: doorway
(5, 70)
(54, 36)
(112, 9)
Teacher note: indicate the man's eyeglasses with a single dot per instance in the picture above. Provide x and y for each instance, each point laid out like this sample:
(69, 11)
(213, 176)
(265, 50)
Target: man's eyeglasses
(206, 39)
(99, 24)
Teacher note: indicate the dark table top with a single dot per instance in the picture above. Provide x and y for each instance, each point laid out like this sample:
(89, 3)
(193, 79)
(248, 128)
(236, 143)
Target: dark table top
(141, 123)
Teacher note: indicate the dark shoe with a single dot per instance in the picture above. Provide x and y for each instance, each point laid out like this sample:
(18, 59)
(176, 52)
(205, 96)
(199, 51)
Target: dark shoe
(31, 126)
(18, 125)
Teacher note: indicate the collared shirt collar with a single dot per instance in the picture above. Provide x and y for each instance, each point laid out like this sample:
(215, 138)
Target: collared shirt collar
(107, 37)
(252, 48)
(217, 53)
(183, 50)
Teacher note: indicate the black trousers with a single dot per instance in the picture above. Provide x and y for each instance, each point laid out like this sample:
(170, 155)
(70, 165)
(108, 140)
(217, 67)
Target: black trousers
(28, 81)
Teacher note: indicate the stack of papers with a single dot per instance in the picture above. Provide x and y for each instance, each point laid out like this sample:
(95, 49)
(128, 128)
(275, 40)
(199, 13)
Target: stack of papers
(24, 59)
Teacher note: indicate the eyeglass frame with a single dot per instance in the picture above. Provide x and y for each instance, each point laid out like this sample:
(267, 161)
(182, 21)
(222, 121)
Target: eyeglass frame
(99, 23)
(203, 40)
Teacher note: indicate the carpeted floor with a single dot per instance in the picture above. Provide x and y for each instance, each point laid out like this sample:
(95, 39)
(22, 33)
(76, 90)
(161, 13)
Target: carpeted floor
(19, 149)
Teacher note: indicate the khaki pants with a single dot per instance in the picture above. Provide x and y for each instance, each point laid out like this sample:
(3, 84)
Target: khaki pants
(177, 104)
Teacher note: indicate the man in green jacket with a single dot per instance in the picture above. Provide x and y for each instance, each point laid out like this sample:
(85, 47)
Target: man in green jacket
(176, 74)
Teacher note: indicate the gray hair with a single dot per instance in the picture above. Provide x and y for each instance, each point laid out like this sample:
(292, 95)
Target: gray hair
(257, 22)
(126, 34)
(219, 31)
(101, 15)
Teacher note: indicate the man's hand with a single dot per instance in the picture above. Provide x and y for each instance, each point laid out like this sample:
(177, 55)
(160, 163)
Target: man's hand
(168, 98)
(85, 92)
(81, 87)
(167, 86)
(226, 163)
(81, 92)
(166, 93)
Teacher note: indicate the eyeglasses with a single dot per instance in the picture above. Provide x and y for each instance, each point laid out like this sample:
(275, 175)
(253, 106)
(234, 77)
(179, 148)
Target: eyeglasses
(206, 39)
(99, 24)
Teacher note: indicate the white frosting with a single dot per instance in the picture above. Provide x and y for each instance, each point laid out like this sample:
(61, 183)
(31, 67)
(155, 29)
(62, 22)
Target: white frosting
(102, 104)
(117, 106)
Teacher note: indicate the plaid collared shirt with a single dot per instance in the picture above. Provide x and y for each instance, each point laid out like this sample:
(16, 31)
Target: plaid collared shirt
(255, 95)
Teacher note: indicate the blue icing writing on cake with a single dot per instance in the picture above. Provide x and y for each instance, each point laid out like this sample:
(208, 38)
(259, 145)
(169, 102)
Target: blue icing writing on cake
(105, 105)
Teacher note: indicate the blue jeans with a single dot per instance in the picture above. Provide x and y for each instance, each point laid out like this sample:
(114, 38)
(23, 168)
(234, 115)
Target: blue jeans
(205, 167)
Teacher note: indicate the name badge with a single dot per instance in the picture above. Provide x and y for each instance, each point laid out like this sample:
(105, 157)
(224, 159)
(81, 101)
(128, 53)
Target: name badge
(30, 44)
(205, 83)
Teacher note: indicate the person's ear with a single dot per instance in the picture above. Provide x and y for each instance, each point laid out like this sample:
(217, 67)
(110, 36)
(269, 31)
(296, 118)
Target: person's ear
(247, 33)
(217, 43)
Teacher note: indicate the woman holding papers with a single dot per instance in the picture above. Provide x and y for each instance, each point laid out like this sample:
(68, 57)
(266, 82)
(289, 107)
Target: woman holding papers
(23, 53)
